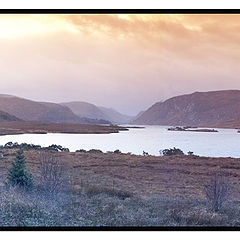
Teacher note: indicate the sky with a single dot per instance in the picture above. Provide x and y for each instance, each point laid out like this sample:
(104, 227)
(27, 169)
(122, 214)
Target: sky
(127, 62)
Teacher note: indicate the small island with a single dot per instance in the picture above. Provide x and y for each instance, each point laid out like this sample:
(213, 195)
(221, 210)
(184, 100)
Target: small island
(138, 127)
(191, 129)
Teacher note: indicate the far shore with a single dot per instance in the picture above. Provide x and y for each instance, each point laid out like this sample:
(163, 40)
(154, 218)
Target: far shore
(16, 128)
(22, 127)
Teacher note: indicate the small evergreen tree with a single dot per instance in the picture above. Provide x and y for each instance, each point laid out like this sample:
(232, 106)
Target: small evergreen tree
(18, 174)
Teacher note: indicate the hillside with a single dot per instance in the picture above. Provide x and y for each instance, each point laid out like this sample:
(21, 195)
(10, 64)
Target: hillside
(232, 123)
(196, 109)
(88, 110)
(84, 109)
(137, 116)
(28, 110)
(7, 117)
(114, 116)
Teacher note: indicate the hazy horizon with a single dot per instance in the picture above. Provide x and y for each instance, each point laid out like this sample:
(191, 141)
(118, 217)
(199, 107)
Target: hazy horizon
(125, 62)
(133, 115)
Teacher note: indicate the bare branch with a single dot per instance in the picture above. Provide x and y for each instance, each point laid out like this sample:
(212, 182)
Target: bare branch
(52, 172)
(216, 192)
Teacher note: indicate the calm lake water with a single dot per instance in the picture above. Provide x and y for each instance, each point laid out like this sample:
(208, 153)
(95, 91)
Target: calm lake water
(225, 143)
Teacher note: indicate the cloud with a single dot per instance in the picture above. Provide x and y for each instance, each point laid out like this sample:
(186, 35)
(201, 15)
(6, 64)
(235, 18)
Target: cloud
(123, 61)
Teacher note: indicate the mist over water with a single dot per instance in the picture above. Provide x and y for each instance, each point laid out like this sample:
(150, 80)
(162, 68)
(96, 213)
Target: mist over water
(151, 139)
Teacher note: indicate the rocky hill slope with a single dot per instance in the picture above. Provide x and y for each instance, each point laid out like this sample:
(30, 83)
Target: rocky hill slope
(7, 117)
(196, 109)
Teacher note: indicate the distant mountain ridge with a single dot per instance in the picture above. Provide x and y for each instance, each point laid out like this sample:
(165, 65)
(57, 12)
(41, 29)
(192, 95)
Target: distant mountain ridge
(114, 116)
(196, 109)
(213, 109)
(29, 110)
(71, 112)
(84, 109)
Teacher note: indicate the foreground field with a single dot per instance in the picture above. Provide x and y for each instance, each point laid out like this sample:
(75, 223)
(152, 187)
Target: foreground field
(8, 128)
(114, 189)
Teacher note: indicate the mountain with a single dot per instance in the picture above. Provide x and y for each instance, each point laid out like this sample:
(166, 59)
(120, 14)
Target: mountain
(232, 123)
(196, 109)
(137, 116)
(88, 110)
(7, 117)
(114, 116)
(39, 111)
(84, 109)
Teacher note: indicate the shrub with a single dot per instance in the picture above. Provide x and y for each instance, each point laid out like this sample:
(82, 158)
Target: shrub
(52, 173)
(216, 192)
(26, 146)
(145, 153)
(95, 190)
(95, 151)
(11, 145)
(172, 151)
(18, 174)
(57, 148)
(117, 151)
(81, 150)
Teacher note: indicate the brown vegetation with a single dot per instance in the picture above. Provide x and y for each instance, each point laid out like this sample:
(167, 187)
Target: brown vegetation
(174, 176)
(7, 128)
(216, 192)
(116, 189)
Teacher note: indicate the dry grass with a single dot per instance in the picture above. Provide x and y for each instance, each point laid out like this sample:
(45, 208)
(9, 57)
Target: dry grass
(172, 176)
(19, 208)
(15, 127)
(107, 189)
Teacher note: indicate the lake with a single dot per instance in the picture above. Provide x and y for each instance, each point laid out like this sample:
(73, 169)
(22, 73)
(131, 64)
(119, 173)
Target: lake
(151, 139)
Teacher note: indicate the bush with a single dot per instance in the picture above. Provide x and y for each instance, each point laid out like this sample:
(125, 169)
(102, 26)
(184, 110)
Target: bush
(11, 145)
(57, 148)
(96, 190)
(26, 146)
(81, 150)
(52, 173)
(172, 151)
(18, 174)
(95, 151)
(117, 151)
(216, 192)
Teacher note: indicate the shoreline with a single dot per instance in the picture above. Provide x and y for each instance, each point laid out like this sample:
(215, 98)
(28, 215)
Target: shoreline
(17, 128)
(23, 127)
(202, 126)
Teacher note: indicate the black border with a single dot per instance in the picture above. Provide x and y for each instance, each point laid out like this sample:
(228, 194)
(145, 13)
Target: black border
(121, 11)
(153, 229)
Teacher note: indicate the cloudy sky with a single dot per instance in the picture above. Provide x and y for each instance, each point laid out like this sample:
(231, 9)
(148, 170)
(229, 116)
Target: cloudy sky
(127, 62)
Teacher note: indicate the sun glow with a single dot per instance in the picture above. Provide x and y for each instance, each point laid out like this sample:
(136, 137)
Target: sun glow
(21, 25)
